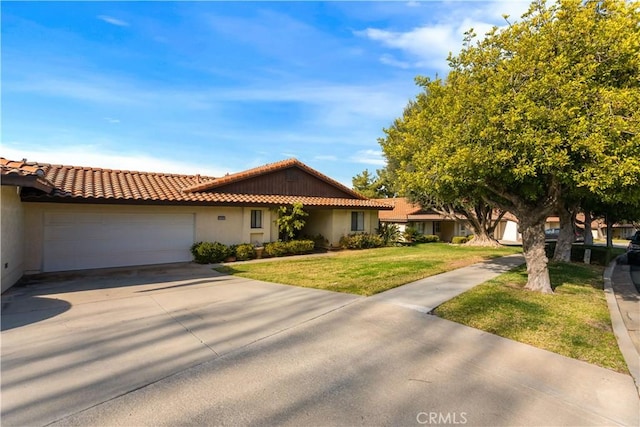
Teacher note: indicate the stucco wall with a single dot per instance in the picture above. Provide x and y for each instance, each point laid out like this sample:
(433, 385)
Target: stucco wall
(342, 224)
(319, 222)
(12, 232)
(228, 225)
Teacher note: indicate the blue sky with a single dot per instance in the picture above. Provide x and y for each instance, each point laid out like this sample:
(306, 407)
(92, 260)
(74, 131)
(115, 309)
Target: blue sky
(217, 87)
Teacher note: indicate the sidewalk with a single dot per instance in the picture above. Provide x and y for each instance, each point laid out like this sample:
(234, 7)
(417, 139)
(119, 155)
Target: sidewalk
(624, 305)
(426, 294)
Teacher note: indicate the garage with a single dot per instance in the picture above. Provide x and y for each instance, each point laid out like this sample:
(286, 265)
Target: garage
(76, 241)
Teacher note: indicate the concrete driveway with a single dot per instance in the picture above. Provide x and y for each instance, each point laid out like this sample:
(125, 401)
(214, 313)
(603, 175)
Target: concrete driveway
(185, 345)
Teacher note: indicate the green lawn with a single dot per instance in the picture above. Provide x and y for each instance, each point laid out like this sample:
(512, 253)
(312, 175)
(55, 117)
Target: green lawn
(367, 272)
(574, 322)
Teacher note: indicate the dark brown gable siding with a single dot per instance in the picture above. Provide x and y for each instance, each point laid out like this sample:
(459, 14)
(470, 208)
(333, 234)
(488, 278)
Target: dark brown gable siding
(288, 182)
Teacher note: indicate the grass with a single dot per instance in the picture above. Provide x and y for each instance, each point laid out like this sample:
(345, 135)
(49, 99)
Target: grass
(574, 322)
(369, 271)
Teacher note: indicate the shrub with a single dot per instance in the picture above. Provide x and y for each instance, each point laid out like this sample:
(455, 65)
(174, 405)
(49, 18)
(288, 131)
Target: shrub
(208, 252)
(275, 249)
(245, 251)
(458, 240)
(297, 247)
(390, 233)
(411, 234)
(430, 238)
(319, 240)
(361, 241)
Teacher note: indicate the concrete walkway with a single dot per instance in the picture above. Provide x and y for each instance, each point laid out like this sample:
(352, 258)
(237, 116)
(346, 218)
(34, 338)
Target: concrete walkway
(624, 304)
(426, 294)
(208, 349)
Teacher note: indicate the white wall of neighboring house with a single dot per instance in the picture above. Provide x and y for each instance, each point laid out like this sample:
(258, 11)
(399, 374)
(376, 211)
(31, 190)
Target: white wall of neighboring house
(12, 248)
(511, 232)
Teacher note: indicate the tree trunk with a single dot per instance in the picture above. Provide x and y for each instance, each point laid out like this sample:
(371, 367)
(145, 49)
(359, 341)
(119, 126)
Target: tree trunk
(567, 235)
(588, 238)
(588, 235)
(483, 238)
(534, 254)
(609, 232)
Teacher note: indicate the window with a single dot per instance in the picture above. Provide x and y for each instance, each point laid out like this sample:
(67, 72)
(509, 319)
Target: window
(436, 227)
(256, 219)
(357, 221)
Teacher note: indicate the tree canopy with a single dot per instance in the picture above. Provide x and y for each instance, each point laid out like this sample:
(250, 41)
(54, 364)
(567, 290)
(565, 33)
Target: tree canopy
(541, 109)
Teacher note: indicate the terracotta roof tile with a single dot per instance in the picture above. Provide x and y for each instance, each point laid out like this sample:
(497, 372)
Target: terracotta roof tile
(402, 208)
(74, 183)
(24, 174)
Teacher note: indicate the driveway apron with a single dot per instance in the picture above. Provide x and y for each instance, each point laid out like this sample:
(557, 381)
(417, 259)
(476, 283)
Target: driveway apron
(209, 349)
(70, 343)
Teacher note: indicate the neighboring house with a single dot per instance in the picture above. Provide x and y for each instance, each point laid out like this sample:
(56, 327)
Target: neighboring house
(57, 218)
(426, 221)
(622, 230)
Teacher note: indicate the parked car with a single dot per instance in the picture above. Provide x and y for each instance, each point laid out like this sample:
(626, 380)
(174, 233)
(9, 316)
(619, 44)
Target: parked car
(554, 233)
(551, 233)
(633, 249)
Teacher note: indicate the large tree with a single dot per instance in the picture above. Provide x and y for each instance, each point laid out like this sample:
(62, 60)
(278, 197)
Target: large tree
(530, 113)
(456, 200)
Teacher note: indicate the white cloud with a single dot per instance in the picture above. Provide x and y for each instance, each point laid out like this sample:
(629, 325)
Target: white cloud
(92, 156)
(390, 60)
(113, 21)
(325, 157)
(429, 45)
(369, 157)
(112, 120)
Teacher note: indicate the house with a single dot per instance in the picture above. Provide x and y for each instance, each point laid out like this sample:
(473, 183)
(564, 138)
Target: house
(58, 218)
(427, 221)
(406, 214)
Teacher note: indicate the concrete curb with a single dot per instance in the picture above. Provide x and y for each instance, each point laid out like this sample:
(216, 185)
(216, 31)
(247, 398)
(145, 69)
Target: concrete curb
(631, 356)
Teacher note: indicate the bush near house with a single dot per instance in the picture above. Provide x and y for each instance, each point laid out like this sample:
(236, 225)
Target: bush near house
(361, 241)
(390, 233)
(210, 252)
(292, 247)
(245, 252)
(275, 249)
(319, 240)
(412, 235)
(459, 240)
(299, 247)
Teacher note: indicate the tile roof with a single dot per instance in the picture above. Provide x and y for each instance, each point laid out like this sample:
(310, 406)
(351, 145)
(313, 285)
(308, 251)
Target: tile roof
(23, 174)
(85, 184)
(402, 208)
(271, 167)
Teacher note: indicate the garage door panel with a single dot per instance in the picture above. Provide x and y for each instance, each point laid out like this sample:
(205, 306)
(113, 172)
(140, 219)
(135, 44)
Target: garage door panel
(99, 240)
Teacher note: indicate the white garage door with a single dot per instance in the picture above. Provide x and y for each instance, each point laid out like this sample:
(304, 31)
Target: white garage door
(98, 240)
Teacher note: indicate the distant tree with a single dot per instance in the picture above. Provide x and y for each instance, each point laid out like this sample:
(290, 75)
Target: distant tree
(378, 186)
